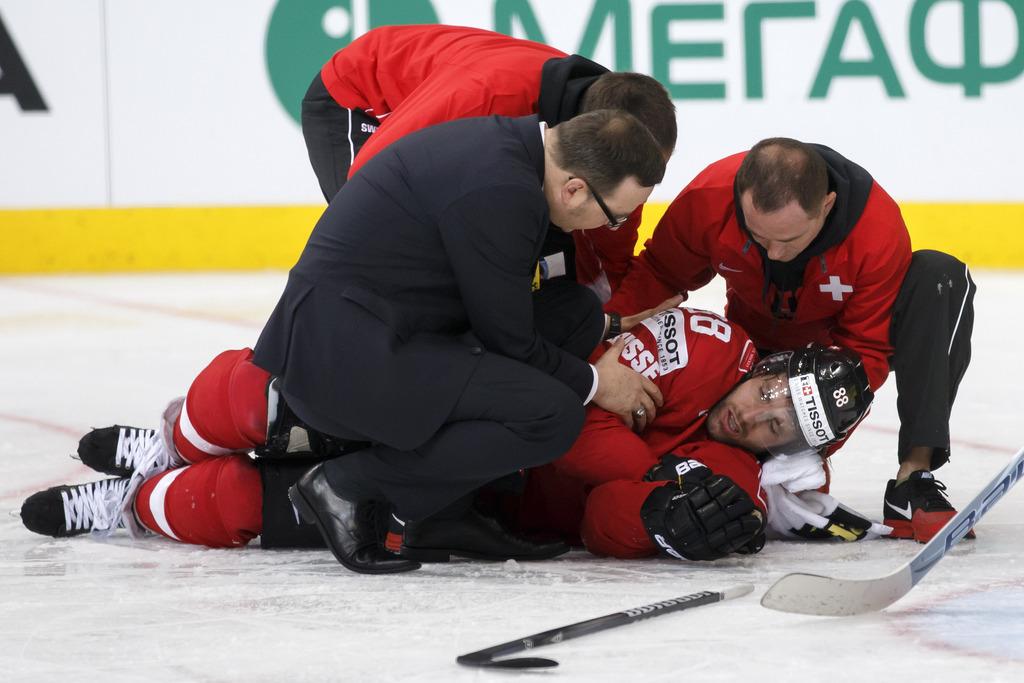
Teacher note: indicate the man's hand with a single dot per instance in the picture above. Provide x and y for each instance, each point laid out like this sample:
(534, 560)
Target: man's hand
(631, 321)
(624, 392)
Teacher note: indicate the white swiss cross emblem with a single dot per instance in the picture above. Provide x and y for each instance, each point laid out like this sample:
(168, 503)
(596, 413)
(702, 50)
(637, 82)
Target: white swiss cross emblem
(836, 288)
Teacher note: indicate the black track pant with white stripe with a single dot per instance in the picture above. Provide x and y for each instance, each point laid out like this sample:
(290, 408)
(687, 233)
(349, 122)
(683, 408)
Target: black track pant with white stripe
(932, 321)
(334, 135)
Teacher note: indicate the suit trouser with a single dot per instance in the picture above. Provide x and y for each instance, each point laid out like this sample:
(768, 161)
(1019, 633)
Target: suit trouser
(334, 135)
(932, 321)
(510, 416)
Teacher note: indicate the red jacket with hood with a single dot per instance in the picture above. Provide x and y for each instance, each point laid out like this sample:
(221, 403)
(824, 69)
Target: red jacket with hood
(840, 290)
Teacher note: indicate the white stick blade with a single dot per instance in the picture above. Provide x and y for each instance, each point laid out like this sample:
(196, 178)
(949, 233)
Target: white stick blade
(829, 597)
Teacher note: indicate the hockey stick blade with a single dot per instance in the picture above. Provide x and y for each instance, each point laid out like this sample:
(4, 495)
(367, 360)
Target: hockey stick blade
(486, 657)
(514, 663)
(831, 597)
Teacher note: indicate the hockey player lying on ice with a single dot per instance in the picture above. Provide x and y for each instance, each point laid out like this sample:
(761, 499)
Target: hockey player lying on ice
(689, 484)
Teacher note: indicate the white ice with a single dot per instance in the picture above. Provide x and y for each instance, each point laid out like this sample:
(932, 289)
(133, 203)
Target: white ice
(81, 352)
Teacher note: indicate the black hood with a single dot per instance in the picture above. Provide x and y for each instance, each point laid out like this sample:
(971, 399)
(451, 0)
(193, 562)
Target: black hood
(562, 84)
(852, 185)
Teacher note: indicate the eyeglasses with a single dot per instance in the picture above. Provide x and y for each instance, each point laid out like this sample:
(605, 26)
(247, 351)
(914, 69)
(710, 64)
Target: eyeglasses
(613, 222)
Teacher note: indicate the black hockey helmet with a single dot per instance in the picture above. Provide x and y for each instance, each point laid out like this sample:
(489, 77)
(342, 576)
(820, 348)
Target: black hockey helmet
(828, 390)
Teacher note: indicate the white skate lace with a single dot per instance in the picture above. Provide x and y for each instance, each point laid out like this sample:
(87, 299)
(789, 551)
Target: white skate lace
(95, 506)
(158, 456)
(132, 444)
(152, 458)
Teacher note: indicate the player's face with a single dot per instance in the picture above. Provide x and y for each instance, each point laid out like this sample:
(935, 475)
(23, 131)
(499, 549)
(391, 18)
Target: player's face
(578, 206)
(786, 232)
(756, 415)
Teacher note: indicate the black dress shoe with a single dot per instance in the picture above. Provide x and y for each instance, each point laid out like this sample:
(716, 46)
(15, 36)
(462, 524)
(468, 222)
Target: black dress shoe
(473, 536)
(345, 530)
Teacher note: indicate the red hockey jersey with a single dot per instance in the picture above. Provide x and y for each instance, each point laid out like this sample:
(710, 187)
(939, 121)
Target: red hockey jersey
(695, 358)
(411, 77)
(846, 295)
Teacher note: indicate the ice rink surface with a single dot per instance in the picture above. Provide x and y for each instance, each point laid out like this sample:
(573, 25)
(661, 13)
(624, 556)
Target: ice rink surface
(81, 352)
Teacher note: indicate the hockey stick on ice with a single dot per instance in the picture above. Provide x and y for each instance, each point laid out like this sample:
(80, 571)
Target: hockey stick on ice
(826, 596)
(485, 657)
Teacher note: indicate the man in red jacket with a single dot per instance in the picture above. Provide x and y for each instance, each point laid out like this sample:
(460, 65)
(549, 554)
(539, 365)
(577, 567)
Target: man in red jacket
(395, 80)
(688, 485)
(813, 249)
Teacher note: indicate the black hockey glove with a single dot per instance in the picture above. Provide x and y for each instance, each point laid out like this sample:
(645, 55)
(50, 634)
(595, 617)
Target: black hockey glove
(672, 467)
(704, 516)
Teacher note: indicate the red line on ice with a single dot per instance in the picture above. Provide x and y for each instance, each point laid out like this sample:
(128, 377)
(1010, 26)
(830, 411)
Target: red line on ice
(78, 469)
(134, 305)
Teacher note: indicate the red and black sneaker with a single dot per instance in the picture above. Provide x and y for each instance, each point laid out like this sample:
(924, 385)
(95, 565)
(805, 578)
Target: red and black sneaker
(917, 507)
(393, 536)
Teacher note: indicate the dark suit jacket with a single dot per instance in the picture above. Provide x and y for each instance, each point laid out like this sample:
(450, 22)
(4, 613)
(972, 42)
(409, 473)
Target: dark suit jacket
(422, 262)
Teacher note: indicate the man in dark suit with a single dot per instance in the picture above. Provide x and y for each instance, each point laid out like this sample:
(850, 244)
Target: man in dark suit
(409, 320)
(394, 80)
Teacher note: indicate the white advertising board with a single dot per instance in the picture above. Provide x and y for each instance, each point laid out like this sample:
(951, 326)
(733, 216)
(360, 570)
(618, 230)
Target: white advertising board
(179, 102)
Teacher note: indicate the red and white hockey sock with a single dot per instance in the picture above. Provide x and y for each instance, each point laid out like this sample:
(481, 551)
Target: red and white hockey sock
(217, 503)
(225, 410)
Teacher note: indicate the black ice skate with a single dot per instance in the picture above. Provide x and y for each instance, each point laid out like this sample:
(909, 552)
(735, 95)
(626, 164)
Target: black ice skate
(77, 509)
(117, 450)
